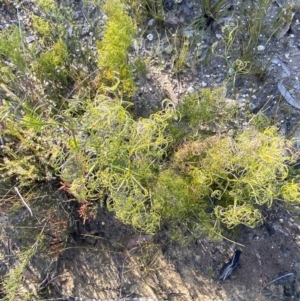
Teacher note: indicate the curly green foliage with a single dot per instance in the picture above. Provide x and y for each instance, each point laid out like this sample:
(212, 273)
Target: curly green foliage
(113, 152)
(103, 151)
(238, 174)
(176, 200)
(291, 192)
(172, 195)
(112, 50)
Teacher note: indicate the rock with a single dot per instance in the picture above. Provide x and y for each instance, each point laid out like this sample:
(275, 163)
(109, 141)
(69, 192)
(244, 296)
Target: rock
(169, 49)
(150, 37)
(30, 39)
(261, 48)
(188, 33)
(230, 71)
(151, 22)
(190, 89)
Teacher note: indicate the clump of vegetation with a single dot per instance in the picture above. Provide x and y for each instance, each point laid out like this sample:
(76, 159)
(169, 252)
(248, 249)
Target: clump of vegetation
(117, 156)
(112, 50)
(208, 111)
(261, 122)
(241, 36)
(63, 119)
(148, 169)
(146, 9)
(211, 11)
(234, 176)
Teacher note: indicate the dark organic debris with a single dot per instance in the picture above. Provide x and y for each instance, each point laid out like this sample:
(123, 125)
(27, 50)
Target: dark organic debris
(230, 266)
(270, 229)
(168, 4)
(287, 96)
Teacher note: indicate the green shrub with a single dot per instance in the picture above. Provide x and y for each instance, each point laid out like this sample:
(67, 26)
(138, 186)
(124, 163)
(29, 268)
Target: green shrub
(51, 66)
(11, 47)
(112, 50)
(191, 172)
(117, 154)
(240, 174)
(205, 112)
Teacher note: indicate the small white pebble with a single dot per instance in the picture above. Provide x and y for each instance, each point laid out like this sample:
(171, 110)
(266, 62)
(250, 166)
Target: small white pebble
(150, 37)
(281, 220)
(151, 22)
(261, 48)
(230, 71)
(190, 89)
(204, 84)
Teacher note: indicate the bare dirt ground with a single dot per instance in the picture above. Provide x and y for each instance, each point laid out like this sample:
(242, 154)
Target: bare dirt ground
(106, 260)
(163, 270)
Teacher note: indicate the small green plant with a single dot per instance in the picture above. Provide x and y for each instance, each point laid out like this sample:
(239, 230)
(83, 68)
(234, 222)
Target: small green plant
(47, 5)
(139, 66)
(211, 12)
(11, 47)
(13, 279)
(261, 122)
(146, 9)
(112, 50)
(52, 65)
(181, 56)
(237, 68)
(241, 37)
(208, 111)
